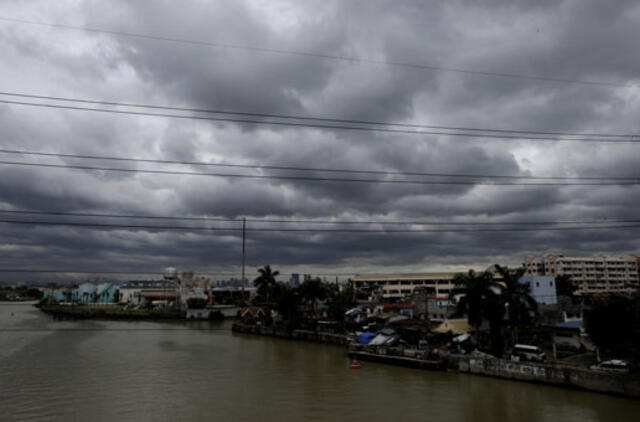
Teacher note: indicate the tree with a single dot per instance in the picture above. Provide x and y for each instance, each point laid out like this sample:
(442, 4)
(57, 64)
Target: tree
(266, 282)
(312, 291)
(287, 302)
(495, 313)
(564, 285)
(340, 302)
(69, 295)
(517, 298)
(614, 326)
(479, 291)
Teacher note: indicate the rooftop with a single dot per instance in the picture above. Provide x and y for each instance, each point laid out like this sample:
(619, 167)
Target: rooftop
(404, 276)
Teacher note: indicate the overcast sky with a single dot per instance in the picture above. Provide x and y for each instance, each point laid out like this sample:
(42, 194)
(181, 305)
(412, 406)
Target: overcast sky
(575, 40)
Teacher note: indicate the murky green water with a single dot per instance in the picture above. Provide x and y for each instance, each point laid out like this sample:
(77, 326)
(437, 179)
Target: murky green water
(98, 371)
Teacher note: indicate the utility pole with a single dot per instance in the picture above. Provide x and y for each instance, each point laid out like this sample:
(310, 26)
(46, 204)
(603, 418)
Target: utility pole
(244, 226)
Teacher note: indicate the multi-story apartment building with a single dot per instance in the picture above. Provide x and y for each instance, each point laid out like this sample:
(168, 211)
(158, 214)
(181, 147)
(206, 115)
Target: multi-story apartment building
(597, 274)
(395, 286)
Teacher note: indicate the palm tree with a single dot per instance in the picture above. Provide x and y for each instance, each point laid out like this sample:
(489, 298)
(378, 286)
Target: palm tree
(266, 281)
(479, 290)
(312, 291)
(517, 297)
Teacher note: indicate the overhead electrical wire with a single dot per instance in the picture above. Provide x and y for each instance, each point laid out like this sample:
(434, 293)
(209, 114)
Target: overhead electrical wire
(138, 272)
(312, 169)
(336, 57)
(309, 118)
(317, 221)
(310, 230)
(499, 136)
(318, 179)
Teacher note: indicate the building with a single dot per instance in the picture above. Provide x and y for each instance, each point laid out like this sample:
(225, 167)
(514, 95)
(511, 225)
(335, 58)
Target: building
(440, 308)
(397, 286)
(294, 280)
(137, 292)
(543, 288)
(590, 275)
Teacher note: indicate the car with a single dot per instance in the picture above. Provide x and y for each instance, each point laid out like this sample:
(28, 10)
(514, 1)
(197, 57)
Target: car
(613, 365)
(525, 352)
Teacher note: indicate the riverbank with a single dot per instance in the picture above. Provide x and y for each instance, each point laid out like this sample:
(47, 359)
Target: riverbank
(398, 360)
(299, 335)
(541, 373)
(110, 313)
(547, 373)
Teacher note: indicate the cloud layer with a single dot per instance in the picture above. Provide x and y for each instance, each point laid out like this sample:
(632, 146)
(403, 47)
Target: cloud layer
(576, 40)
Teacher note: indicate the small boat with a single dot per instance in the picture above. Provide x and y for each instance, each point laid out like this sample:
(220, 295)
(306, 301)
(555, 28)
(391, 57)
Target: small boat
(354, 365)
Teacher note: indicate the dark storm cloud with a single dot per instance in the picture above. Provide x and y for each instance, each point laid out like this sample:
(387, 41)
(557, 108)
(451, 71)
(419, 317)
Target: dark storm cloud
(568, 40)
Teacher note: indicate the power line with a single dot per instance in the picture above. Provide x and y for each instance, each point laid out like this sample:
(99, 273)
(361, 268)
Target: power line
(20, 330)
(320, 179)
(137, 272)
(319, 55)
(312, 169)
(325, 230)
(310, 118)
(316, 221)
(632, 139)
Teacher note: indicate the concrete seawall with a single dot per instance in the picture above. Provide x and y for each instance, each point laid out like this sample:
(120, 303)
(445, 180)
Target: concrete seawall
(561, 375)
(301, 335)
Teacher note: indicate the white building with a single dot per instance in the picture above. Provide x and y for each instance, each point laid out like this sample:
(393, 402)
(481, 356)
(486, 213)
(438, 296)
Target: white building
(543, 288)
(598, 274)
(396, 286)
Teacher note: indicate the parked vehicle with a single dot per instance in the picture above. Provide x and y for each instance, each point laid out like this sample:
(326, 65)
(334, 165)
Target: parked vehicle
(525, 352)
(614, 365)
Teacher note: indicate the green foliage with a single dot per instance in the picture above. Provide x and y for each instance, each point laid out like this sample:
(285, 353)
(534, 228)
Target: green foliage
(312, 291)
(287, 302)
(517, 297)
(340, 302)
(478, 291)
(266, 283)
(614, 326)
(564, 285)
(196, 303)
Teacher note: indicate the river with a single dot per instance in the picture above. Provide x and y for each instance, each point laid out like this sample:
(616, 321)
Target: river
(144, 371)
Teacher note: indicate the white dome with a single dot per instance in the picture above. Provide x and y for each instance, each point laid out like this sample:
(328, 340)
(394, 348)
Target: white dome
(170, 273)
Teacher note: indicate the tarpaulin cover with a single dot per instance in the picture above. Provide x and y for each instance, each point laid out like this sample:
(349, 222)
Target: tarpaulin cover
(365, 338)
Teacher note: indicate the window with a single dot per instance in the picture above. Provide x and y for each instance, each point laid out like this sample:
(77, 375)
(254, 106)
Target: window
(537, 284)
(551, 283)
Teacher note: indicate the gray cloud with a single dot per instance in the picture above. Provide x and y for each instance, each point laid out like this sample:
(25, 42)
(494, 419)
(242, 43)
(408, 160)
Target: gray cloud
(569, 40)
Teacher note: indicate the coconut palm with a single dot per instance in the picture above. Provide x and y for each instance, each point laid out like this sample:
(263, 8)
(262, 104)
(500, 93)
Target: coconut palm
(479, 291)
(517, 297)
(266, 282)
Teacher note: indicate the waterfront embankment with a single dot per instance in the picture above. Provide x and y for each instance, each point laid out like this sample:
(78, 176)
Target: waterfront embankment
(300, 335)
(109, 313)
(562, 375)
(542, 373)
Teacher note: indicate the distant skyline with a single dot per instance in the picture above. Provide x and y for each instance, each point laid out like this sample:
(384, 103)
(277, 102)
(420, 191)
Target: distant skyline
(463, 55)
